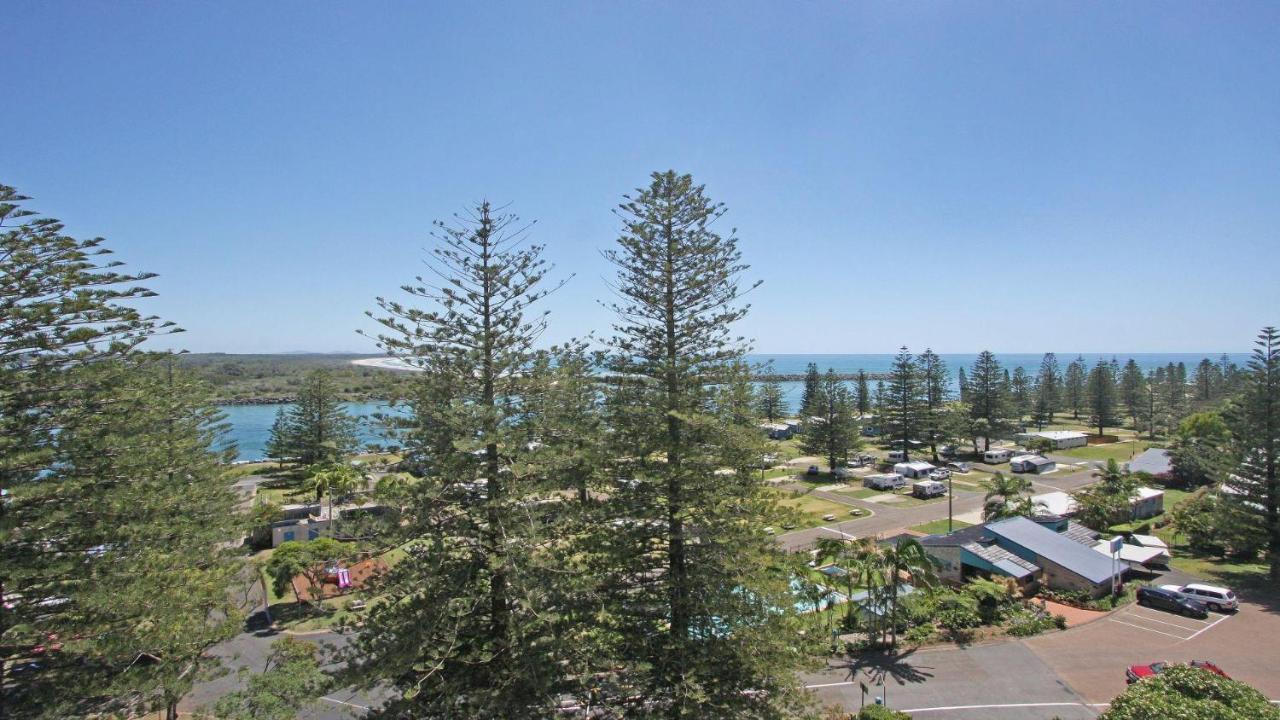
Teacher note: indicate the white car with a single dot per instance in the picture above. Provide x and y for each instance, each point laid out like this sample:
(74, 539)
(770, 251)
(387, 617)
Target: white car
(1218, 599)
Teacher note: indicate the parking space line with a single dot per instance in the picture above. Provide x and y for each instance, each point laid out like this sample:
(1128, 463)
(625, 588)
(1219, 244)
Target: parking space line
(1215, 622)
(1176, 637)
(1165, 622)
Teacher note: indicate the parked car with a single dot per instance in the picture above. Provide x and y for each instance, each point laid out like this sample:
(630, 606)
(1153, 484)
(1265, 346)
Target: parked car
(1207, 665)
(960, 467)
(947, 451)
(841, 473)
(1217, 599)
(813, 470)
(940, 474)
(1134, 673)
(1170, 601)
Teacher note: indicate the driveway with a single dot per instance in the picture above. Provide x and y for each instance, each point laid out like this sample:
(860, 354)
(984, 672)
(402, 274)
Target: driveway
(1004, 680)
(1068, 674)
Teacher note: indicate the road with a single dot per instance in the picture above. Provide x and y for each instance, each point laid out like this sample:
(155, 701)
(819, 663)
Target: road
(248, 652)
(888, 519)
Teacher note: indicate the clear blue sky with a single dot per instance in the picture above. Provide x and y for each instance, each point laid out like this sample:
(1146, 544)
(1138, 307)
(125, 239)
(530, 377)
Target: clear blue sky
(1018, 176)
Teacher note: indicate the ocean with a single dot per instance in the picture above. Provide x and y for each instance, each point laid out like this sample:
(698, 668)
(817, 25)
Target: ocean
(251, 424)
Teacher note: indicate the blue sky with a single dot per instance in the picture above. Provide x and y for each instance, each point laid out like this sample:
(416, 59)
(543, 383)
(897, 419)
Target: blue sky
(1016, 176)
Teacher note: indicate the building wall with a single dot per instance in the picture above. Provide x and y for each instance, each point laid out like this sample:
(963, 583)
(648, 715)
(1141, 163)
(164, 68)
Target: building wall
(301, 531)
(947, 562)
(1148, 507)
(1057, 577)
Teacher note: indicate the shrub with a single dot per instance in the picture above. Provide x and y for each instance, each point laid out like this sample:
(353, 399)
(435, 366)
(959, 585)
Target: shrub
(920, 634)
(1060, 622)
(1026, 623)
(1190, 694)
(880, 712)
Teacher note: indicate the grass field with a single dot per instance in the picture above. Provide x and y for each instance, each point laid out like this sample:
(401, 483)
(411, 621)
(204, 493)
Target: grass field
(810, 510)
(937, 527)
(860, 493)
(1121, 452)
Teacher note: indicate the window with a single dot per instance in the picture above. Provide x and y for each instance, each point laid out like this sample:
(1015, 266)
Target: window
(288, 535)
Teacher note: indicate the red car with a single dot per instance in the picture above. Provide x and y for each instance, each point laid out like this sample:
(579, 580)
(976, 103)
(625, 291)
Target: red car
(1137, 672)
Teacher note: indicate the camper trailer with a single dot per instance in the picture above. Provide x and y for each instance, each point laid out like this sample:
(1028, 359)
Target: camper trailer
(889, 481)
(926, 489)
(995, 457)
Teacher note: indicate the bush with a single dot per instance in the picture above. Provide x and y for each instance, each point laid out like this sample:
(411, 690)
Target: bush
(1190, 694)
(920, 634)
(1026, 623)
(880, 712)
(1060, 622)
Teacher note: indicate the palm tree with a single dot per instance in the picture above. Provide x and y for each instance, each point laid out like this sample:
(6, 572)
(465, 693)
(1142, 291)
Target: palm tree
(908, 558)
(860, 559)
(335, 480)
(1106, 502)
(1009, 496)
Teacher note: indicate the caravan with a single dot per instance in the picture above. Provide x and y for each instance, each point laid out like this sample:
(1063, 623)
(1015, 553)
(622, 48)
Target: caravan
(889, 481)
(997, 456)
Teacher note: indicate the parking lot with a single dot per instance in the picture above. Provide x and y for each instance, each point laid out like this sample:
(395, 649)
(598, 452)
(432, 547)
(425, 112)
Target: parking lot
(1178, 627)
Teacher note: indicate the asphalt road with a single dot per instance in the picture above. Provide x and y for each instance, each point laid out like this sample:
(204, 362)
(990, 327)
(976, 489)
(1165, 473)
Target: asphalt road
(1068, 674)
(888, 519)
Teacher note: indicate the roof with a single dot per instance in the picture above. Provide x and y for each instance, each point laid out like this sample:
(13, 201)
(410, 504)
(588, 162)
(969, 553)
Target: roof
(1056, 503)
(1080, 533)
(1154, 460)
(1059, 549)
(1003, 560)
(1143, 493)
(1057, 434)
(1148, 541)
(1132, 553)
(915, 465)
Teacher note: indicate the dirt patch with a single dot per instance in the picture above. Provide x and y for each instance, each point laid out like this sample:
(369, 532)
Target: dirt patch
(361, 573)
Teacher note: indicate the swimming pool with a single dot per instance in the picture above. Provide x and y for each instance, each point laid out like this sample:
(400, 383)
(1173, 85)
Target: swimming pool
(805, 605)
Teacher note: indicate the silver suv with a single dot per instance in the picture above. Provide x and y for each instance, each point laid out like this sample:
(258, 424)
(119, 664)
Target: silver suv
(1217, 599)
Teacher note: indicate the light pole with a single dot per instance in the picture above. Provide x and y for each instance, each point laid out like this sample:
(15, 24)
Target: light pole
(951, 493)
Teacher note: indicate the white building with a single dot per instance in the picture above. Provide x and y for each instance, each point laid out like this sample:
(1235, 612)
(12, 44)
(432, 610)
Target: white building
(1061, 439)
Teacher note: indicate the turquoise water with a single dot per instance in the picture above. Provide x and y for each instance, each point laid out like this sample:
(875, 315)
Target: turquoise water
(804, 605)
(251, 424)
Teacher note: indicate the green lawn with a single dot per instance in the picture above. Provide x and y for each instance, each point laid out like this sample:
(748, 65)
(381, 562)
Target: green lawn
(1121, 452)
(810, 510)
(861, 493)
(937, 527)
